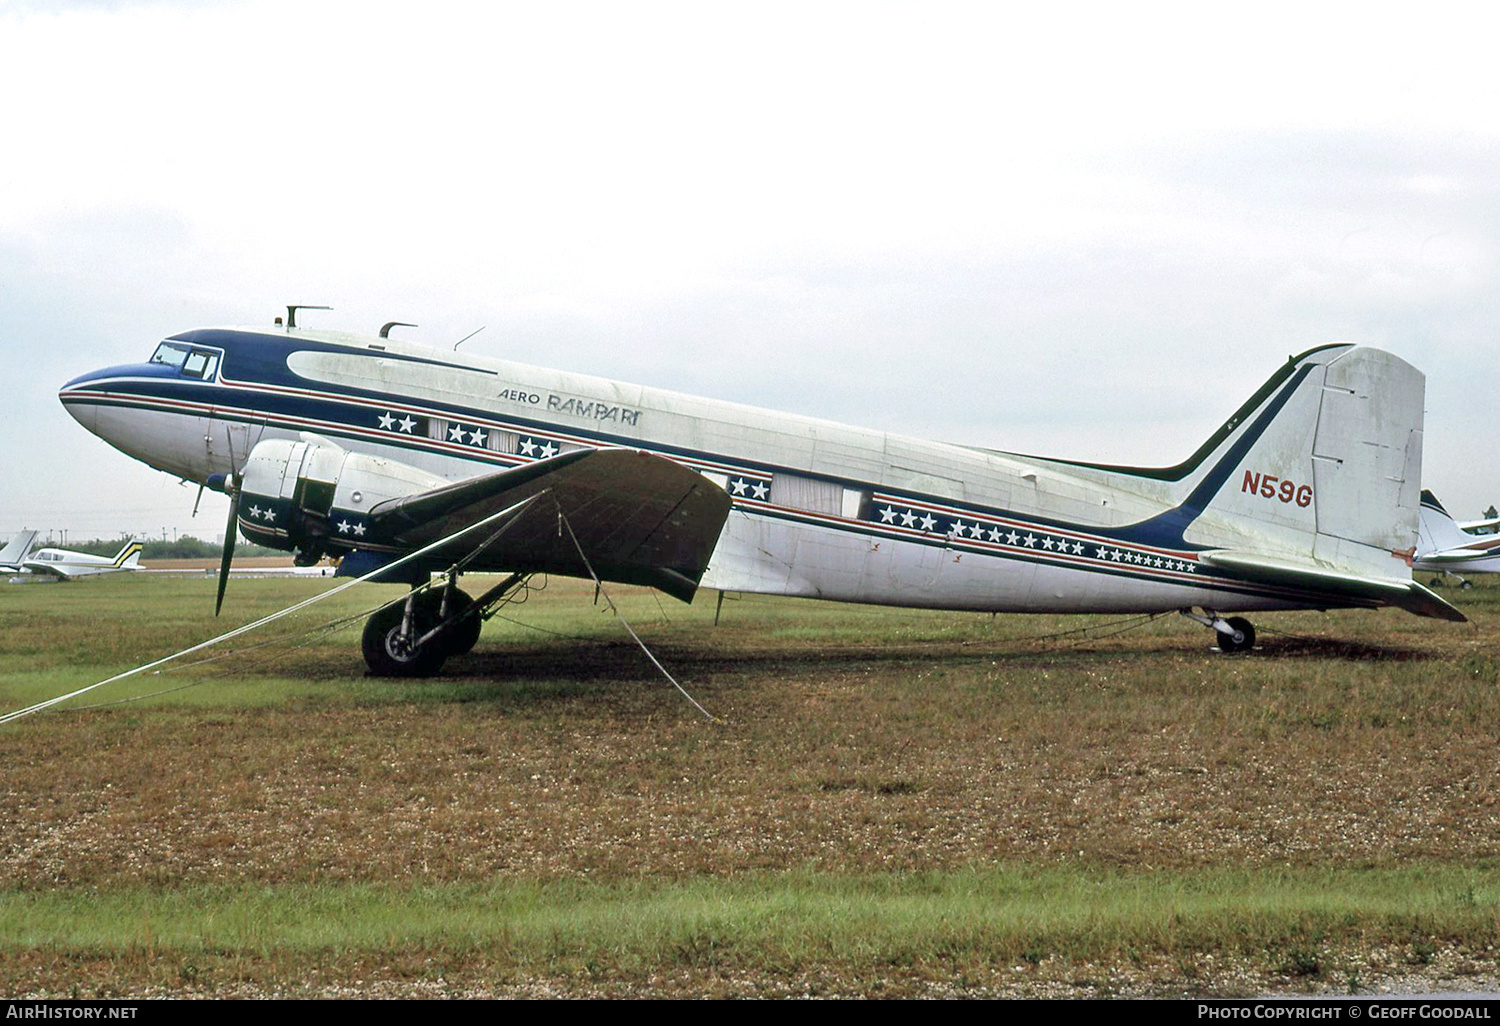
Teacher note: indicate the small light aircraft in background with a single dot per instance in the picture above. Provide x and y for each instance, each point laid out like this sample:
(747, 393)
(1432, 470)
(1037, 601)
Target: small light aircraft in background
(1447, 547)
(67, 564)
(373, 450)
(15, 551)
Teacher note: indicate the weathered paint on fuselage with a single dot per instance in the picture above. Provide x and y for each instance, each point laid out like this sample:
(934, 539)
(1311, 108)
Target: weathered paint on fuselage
(820, 509)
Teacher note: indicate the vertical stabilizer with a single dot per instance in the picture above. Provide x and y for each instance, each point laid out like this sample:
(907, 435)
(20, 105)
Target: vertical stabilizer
(1327, 469)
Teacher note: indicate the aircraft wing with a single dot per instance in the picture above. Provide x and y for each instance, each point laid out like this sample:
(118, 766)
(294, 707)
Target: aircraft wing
(41, 566)
(1340, 587)
(638, 519)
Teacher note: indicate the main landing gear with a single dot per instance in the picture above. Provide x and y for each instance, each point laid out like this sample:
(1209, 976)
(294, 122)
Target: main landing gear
(1463, 583)
(414, 637)
(1235, 634)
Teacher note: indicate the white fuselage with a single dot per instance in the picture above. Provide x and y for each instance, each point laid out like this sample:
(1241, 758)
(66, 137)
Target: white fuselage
(819, 509)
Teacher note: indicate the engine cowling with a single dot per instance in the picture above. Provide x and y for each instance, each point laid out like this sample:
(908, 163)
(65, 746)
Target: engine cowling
(314, 497)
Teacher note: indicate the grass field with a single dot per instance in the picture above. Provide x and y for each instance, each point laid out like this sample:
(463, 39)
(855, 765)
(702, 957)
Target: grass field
(889, 802)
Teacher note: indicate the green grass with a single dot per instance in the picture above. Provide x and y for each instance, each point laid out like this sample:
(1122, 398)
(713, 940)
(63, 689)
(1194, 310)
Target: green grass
(890, 802)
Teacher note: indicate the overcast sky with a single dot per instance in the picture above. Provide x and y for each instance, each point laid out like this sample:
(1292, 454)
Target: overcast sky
(1074, 230)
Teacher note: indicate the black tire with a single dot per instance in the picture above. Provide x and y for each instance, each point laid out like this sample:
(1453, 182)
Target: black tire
(387, 655)
(463, 635)
(1240, 638)
(1465, 585)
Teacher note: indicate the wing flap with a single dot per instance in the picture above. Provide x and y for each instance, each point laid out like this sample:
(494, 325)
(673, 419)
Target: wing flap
(638, 519)
(1339, 586)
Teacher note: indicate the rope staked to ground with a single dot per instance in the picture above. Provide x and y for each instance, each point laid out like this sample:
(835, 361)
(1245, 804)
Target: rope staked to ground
(509, 511)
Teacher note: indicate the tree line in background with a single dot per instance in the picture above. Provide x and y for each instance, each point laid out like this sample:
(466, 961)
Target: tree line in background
(184, 546)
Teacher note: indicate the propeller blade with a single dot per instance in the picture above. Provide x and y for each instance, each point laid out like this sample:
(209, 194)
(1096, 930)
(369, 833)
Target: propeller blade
(231, 532)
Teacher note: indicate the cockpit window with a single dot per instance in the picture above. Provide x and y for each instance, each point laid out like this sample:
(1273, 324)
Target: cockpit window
(200, 364)
(189, 362)
(171, 354)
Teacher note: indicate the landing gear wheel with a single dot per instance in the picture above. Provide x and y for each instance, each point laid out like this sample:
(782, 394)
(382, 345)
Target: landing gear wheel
(390, 654)
(463, 634)
(1465, 585)
(1240, 638)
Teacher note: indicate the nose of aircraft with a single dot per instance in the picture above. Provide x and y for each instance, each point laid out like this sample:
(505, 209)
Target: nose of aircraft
(84, 395)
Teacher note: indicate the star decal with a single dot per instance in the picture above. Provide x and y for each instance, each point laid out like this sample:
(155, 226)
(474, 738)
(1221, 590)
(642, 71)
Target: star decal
(386, 420)
(908, 518)
(343, 526)
(456, 433)
(477, 436)
(759, 490)
(888, 515)
(738, 486)
(549, 450)
(928, 522)
(407, 423)
(528, 447)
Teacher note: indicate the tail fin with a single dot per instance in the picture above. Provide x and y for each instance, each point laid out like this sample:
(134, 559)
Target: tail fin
(16, 549)
(1327, 468)
(129, 556)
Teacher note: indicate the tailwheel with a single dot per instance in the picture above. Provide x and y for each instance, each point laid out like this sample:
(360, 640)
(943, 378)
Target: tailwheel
(1240, 637)
(391, 646)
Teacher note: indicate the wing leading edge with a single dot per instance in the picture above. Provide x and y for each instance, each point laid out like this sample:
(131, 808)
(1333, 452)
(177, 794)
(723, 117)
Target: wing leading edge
(637, 519)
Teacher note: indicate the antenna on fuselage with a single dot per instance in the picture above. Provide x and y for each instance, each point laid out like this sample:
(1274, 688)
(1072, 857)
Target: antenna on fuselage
(291, 312)
(385, 329)
(468, 336)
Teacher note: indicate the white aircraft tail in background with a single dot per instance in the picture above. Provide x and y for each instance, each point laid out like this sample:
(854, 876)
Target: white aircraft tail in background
(1446, 547)
(15, 551)
(67, 564)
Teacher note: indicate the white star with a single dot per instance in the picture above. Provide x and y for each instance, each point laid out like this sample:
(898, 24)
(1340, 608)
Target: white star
(1012, 538)
(270, 515)
(1101, 553)
(958, 529)
(1115, 555)
(977, 531)
(759, 490)
(386, 420)
(407, 423)
(477, 436)
(738, 486)
(994, 534)
(1030, 541)
(343, 527)
(456, 433)
(928, 523)
(255, 512)
(528, 447)
(1078, 548)
(549, 450)
(908, 518)
(1047, 544)
(359, 530)
(888, 516)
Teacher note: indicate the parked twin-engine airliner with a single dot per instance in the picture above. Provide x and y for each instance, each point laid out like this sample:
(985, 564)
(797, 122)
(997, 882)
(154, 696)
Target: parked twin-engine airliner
(371, 449)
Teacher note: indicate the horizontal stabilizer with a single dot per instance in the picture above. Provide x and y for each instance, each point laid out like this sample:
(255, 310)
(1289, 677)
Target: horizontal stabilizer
(1340, 587)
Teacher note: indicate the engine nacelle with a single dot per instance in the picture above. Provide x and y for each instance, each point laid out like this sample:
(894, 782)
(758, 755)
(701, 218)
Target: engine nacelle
(313, 496)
